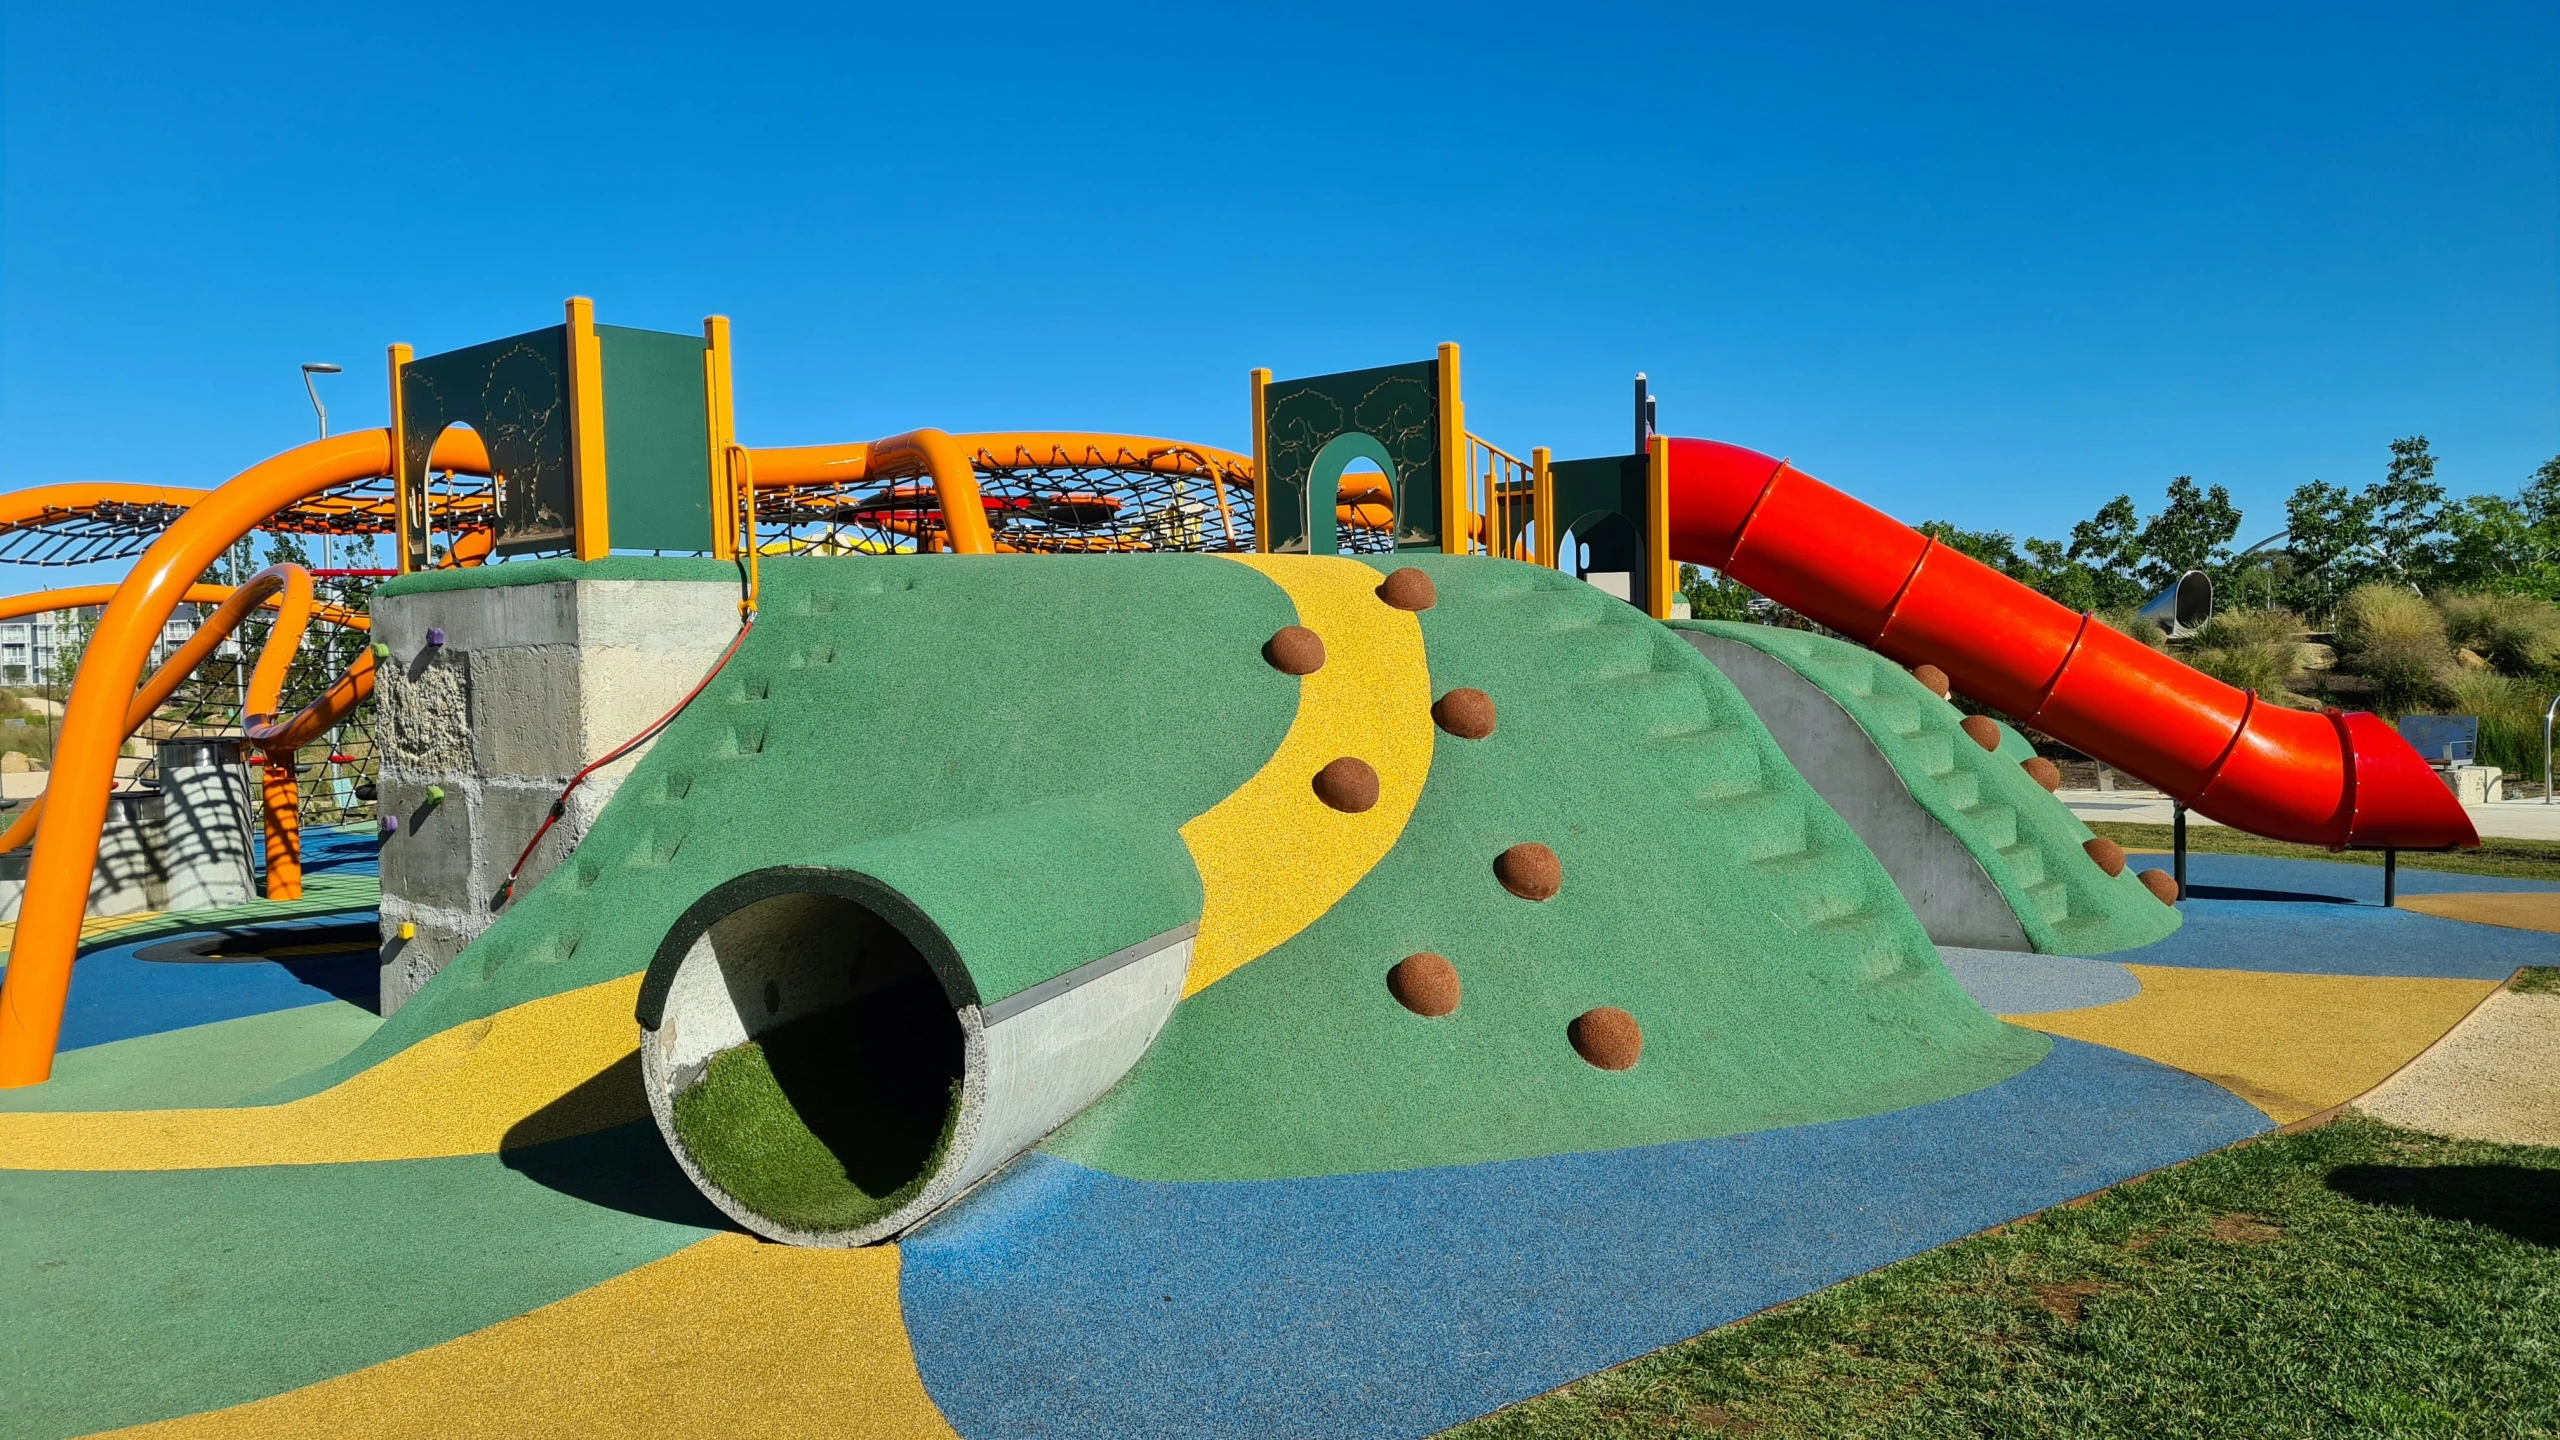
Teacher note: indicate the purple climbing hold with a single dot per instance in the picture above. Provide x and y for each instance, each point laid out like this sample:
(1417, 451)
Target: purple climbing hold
(390, 824)
(435, 635)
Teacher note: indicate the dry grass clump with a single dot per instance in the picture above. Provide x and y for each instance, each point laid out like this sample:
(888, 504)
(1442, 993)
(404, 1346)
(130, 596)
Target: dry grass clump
(2396, 640)
(2128, 620)
(2253, 650)
(2510, 712)
(2518, 634)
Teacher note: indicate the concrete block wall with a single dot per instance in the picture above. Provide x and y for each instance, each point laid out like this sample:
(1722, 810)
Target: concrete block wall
(132, 872)
(531, 683)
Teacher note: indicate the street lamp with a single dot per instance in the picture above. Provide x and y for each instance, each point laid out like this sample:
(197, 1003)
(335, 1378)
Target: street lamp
(309, 369)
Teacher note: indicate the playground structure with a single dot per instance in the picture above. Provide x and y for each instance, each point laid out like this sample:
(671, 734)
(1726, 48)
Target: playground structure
(590, 442)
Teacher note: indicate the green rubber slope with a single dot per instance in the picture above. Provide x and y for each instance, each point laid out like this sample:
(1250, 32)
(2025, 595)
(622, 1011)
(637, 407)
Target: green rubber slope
(1777, 974)
(200, 1066)
(877, 698)
(2027, 841)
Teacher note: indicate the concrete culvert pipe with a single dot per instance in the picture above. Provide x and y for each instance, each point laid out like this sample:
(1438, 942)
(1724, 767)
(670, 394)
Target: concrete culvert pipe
(836, 1049)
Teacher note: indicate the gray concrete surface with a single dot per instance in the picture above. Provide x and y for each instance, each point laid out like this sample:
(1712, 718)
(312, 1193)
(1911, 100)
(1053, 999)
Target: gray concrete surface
(1944, 885)
(131, 874)
(210, 818)
(2005, 982)
(532, 682)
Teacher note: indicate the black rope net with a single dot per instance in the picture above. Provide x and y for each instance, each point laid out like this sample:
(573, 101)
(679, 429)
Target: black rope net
(1046, 501)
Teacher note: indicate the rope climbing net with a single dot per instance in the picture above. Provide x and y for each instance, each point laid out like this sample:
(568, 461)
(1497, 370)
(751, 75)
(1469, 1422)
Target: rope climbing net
(1040, 498)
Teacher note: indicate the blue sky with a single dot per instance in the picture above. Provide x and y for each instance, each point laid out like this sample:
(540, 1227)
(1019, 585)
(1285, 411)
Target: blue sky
(1989, 265)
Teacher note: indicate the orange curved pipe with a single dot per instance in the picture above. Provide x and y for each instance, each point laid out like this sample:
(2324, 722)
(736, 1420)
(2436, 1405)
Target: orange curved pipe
(2320, 779)
(936, 455)
(66, 851)
(80, 597)
(265, 683)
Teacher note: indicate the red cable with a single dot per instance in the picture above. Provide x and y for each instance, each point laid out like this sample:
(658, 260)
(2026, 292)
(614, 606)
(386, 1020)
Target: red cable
(560, 806)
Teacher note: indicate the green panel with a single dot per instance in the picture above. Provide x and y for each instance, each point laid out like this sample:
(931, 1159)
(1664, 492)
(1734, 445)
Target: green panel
(657, 442)
(2027, 841)
(515, 392)
(1602, 502)
(1397, 405)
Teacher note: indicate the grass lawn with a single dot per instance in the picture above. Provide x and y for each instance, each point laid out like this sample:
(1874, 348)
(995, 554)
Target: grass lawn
(2350, 1280)
(2520, 859)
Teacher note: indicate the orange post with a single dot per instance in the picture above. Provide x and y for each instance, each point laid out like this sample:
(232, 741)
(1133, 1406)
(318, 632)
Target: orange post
(955, 484)
(66, 851)
(284, 827)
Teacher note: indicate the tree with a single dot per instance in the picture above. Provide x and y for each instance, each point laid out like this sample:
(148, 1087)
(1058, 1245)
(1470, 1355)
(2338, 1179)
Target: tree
(2193, 533)
(2497, 543)
(2408, 511)
(1713, 597)
(2329, 533)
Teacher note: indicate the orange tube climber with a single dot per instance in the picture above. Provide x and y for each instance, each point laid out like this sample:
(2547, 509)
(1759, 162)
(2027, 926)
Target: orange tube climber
(66, 850)
(2329, 779)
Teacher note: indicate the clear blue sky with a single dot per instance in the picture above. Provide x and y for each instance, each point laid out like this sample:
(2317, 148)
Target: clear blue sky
(1992, 269)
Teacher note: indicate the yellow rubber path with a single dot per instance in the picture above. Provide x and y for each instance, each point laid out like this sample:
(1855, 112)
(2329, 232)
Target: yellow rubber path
(726, 1337)
(563, 1065)
(2516, 910)
(2292, 1045)
(1272, 857)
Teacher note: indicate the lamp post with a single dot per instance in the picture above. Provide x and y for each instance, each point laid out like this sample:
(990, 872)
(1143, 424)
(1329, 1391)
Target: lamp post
(309, 369)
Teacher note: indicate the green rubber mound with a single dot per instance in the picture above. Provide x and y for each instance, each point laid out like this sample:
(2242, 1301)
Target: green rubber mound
(880, 697)
(1707, 890)
(2027, 841)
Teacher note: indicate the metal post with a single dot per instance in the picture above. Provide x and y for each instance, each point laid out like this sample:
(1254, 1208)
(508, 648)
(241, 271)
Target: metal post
(2390, 878)
(2178, 844)
(1644, 416)
(2548, 712)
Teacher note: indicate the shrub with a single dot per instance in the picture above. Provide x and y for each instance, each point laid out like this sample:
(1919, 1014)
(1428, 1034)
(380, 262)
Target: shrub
(2278, 626)
(2395, 639)
(2128, 620)
(2252, 649)
(2518, 634)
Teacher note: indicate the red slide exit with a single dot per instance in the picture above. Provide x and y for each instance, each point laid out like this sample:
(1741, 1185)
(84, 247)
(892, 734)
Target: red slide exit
(2330, 779)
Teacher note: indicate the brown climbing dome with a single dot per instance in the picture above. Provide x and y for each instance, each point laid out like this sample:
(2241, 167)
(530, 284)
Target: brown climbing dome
(2042, 771)
(1425, 984)
(1408, 589)
(1984, 730)
(1530, 870)
(2162, 884)
(1348, 785)
(1934, 678)
(1467, 714)
(2108, 855)
(1607, 1037)
(1295, 650)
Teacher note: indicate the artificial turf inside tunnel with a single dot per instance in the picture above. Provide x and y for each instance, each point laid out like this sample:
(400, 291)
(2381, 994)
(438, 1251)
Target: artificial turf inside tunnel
(1777, 975)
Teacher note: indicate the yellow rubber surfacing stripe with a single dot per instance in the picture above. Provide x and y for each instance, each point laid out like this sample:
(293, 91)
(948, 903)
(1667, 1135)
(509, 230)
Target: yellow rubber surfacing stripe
(563, 1065)
(2514, 910)
(724, 1337)
(2292, 1045)
(1272, 857)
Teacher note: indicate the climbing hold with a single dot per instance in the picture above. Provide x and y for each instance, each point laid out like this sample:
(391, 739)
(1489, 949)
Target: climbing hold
(408, 930)
(1934, 678)
(1425, 984)
(435, 635)
(1408, 589)
(1348, 785)
(1984, 730)
(1530, 870)
(2107, 854)
(2044, 772)
(390, 825)
(1294, 650)
(1607, 1037)
(435, 794)
(381, 652)
(2162, 884)
(1467, 714)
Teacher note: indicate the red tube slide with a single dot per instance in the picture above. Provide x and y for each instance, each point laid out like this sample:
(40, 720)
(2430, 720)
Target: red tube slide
(2330, 779)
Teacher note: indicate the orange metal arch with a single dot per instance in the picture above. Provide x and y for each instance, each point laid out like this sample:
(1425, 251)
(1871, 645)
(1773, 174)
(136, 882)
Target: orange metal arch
(81, 597)
(66, 850)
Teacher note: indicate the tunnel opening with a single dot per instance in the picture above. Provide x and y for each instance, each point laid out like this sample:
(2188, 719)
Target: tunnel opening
(822, 1085)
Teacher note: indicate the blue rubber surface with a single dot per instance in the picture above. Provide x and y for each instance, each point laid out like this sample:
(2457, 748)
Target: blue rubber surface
(2010, 982)
(2265, 877)
(117, 997)
(1060, 1301)
(2318, 938)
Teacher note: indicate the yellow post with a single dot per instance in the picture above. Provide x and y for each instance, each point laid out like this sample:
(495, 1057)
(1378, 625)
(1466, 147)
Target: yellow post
(1542, 508)
(408, 491)
(720, 422)
(1454, 512)
(1658, 571)
(1261, 466)
(592, 523)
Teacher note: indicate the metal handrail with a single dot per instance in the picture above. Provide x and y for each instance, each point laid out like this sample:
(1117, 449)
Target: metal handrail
(2548, 711)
